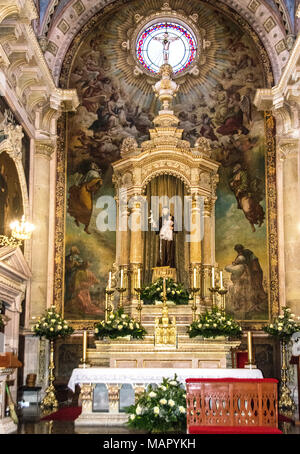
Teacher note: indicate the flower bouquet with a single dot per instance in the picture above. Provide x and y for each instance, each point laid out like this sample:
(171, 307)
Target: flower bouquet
(174, 292)
(160, 409)
(215, 322)
(119, 324)
(52, 325)
(284, 326)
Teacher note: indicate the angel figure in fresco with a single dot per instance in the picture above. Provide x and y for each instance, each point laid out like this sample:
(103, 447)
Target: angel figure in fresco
(84, 280)
(248, 195)
(234, 123)
(80, 203)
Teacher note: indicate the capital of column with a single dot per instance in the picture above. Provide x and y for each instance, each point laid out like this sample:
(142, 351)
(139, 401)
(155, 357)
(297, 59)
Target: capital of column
(209, 203)
(288, 149)
(44, 148)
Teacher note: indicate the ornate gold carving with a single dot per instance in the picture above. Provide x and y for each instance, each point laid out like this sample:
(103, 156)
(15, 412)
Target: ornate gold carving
(86, 397)
(113, 396)
(271, 200)
(165, 328)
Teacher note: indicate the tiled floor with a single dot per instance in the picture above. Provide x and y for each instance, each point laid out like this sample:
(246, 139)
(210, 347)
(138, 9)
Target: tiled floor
(30, 424)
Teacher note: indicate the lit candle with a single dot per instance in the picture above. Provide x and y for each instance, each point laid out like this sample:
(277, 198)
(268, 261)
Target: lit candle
(121, 278)
(109, 281)
(213, 277)
(221, 279)
(249, 338)
(195, 283)
(84, 346)
(139, 278)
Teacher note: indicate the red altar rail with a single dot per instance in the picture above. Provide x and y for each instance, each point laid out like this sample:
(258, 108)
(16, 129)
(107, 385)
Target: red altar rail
(231, 402)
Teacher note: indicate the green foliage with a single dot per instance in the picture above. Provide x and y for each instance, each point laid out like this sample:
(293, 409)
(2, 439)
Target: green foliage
(215, 322)
(284, 326)
(174, 292)
(160, 409)
(52, 326)
(1, 321)
(119, 325)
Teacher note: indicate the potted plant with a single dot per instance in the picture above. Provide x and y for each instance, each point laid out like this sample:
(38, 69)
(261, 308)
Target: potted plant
(119, 324)
(176, 293)
(160, 409)
(282, 328)
(51, 326)
(214, 323)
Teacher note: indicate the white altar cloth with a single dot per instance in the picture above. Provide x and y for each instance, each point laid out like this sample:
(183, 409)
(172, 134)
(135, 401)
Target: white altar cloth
(147, 375)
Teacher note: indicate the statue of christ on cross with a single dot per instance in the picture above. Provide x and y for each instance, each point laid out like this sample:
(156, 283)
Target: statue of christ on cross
(166, 41)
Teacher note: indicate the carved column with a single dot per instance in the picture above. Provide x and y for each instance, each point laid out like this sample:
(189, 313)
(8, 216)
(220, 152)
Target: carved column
(136, 241)
(40, 237)
(208, 245)
(86, 397)
(113, 397)
(195, 245)
(139, 389)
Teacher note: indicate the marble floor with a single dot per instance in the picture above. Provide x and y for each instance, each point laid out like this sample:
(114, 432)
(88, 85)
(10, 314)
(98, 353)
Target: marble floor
(30, 423)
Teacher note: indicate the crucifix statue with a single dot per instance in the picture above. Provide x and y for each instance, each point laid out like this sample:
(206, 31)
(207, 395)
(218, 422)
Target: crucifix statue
(166, 41)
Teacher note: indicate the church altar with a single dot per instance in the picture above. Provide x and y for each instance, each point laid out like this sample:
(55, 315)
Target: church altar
(114, 379)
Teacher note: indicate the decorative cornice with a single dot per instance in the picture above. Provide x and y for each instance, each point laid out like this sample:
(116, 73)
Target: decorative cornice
(288, 88)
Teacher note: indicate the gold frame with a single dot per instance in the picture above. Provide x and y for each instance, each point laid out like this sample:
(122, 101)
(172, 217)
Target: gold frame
(270, 172)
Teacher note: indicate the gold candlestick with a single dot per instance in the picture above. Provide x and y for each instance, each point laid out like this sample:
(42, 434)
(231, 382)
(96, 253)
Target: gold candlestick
(84, 362)
(139, 306)
(194, 291)
(121, 290)
(222, 292)
(50, 401)
(108, 304)
(286, 403)
(214, 291)
(250, 364)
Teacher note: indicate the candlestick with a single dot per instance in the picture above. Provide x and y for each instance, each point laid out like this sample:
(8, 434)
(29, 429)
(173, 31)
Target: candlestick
(221, 280)
(84, 346)
(195, 278)
(249, 339)
(121, 283)
(109, 281)
(213, 277)
(164, 288)
(84, 363)
(250, 364)
(139, 278)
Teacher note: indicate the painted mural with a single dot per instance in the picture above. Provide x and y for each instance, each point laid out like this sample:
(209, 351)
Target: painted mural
(11, 204)
(217, 105)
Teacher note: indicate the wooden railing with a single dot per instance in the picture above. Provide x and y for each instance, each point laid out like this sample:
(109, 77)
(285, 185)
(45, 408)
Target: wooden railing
(232, 402)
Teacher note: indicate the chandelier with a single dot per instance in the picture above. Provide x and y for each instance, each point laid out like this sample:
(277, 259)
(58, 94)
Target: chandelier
(20, 231)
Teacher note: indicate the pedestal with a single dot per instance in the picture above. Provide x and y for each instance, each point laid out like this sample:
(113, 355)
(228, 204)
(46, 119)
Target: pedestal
(6, 423)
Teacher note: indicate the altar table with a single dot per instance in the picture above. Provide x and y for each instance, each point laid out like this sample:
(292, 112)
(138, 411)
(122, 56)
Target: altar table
(114, 378)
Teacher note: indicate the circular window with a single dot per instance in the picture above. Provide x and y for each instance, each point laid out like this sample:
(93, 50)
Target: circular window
(166, 42)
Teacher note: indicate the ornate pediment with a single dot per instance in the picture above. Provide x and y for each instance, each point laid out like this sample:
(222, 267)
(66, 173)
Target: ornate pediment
(14, 273)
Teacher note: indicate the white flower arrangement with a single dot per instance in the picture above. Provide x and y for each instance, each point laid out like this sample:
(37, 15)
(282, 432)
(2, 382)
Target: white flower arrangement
(284, 326)
(214, 323)
(52, 325)
(160, 408)
(119, 324)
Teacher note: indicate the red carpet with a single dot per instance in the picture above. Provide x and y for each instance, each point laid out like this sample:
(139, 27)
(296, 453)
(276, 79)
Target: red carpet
(64, 414)
(233, 430)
